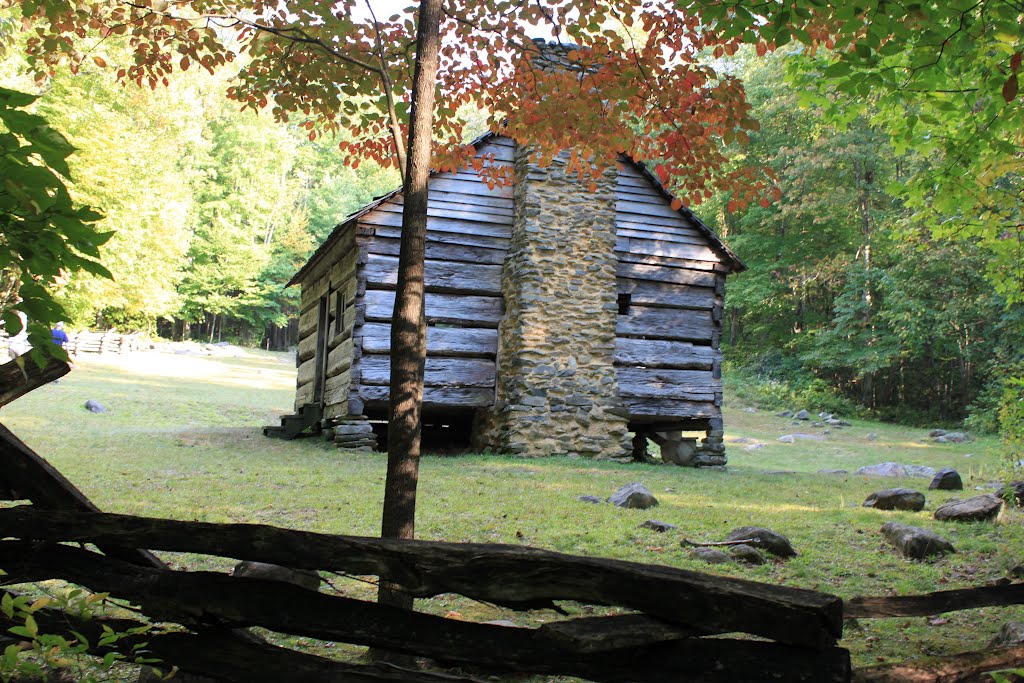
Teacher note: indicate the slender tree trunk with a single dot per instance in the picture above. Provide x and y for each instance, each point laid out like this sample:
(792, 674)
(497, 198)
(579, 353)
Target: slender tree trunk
(865, 177)
(408, 326)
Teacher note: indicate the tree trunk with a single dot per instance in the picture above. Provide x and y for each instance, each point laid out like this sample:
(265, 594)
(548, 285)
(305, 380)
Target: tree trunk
(408, 328)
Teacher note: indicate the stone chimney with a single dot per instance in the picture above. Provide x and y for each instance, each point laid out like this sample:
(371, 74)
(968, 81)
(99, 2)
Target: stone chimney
(556, 390)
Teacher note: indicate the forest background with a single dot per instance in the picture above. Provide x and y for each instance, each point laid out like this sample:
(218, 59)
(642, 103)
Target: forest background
(852, 303)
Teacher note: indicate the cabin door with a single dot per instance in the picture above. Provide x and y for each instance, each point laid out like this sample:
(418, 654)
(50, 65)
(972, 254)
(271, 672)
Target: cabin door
(322, 329)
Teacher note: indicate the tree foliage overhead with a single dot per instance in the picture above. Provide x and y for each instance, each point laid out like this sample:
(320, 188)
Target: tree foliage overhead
(44, 234)
(330, 67)
(940, 78)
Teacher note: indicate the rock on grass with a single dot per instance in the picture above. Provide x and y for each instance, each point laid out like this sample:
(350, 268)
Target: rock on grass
(977, 509)
(762, 538)
(634, 495)
(915, 542)
(896, 499)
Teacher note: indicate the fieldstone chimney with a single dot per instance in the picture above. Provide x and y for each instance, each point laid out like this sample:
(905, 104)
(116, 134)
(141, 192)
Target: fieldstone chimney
(557, 391)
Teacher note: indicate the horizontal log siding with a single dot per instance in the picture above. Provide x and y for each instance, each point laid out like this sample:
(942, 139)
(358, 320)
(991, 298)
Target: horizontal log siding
(667, 358)
(334, 276)
(468, 231)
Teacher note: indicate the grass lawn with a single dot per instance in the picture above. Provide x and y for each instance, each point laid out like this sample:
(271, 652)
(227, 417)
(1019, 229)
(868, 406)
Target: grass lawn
(182, 440)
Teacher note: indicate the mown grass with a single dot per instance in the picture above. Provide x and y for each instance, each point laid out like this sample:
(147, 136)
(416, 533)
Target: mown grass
(182, 440)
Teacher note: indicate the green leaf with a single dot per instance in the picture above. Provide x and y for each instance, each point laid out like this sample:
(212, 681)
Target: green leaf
(7, 603)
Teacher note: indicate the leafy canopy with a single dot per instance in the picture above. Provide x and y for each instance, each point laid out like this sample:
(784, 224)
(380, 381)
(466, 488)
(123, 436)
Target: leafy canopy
(43, 234)
(636, 86)
(940, 77)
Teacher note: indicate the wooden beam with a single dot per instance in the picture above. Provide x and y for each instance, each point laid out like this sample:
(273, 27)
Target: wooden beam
(676, 276)
(968, 667)
(232, 602)
(665, 323)
(935, 603)
(437, 250)
(37, 480)
(452, 342)
(445, 309)
(501, 574)
(658, 353)
(463, 398)
(439, 372)
(21, 375)
(439, 276)
(667, 409)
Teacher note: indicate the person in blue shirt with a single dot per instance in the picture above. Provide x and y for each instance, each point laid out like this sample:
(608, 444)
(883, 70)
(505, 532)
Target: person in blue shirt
(58, 335)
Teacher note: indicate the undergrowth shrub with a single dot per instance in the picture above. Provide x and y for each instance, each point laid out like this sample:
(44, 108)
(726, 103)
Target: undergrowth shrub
(1011, 421)
(779, 381)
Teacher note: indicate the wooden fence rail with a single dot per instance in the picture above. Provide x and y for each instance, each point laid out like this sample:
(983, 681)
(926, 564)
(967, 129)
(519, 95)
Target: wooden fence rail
(110, 341)
(663, 643)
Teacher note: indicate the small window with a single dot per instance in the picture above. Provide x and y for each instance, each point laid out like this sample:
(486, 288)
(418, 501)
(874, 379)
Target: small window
(625, 298)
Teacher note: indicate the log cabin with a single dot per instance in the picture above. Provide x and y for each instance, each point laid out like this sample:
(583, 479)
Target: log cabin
(559, 319)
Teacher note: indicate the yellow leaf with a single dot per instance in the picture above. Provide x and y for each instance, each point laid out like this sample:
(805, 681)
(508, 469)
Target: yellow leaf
(39, 604)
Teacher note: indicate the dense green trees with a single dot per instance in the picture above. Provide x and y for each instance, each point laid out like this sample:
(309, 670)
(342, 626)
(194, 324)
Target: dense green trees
(852, 292)
(211, 210)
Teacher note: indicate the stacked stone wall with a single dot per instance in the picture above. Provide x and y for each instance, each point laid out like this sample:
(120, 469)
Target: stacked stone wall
(556, 390)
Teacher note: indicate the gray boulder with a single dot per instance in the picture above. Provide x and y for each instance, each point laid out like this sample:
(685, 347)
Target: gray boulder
(657, 525)
(746, 554)
(953, 437)
(872, 436)
(710, 555)
(947, 480)
(1012, 493)
(802, 415)
(94, 406)
(977, 509)
(754, 447)
(833, 422)
(590, 499)
(915, 542)
(785, 413)
(895, 469)
(896, 499)
(762, 538)
(787, 438)
(1010, 635)
(304, 578)
(829, 470)
(935, 433)
(634, 495)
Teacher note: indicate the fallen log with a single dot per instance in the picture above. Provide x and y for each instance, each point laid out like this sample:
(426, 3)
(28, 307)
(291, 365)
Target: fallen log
(217, 654)
(21, 375)
(199, 598)
(33, 478)
(934, 603)
(515, 576)
(967, 667)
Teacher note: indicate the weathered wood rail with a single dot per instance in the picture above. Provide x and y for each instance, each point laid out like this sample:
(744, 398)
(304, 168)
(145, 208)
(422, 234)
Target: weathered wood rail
(110, 341)
(663, 643)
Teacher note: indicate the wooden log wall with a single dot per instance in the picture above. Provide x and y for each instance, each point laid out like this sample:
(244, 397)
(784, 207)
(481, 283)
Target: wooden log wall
(326, 320)
(468, 230)
(671, 283)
